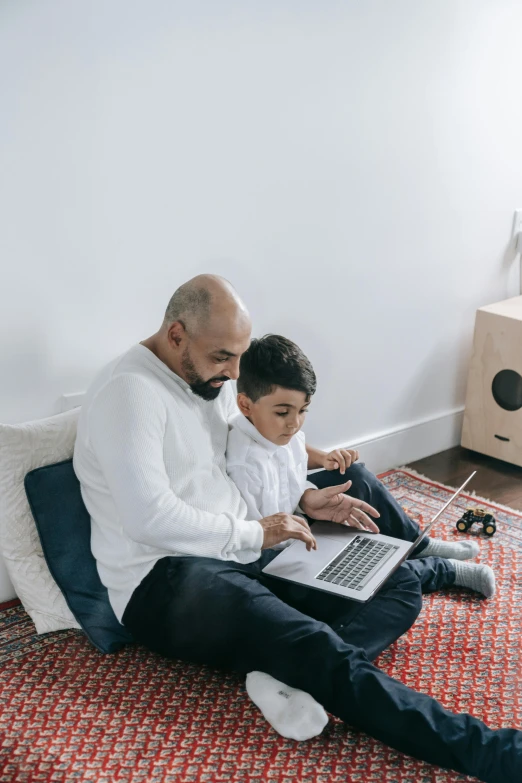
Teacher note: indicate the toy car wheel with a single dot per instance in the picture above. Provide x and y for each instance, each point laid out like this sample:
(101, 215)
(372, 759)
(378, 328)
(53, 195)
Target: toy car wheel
(462, 526)
(489, 529)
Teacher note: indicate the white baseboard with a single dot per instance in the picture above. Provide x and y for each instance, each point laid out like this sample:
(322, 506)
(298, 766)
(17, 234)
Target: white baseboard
(389, 449)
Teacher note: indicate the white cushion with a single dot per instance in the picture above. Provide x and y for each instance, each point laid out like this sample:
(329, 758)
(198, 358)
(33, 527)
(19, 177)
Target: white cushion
(24, 447)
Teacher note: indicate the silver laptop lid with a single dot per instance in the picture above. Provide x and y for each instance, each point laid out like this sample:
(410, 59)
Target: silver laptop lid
(444, 507)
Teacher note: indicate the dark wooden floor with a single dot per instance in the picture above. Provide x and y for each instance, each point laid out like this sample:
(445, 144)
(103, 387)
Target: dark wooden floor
(495, 480)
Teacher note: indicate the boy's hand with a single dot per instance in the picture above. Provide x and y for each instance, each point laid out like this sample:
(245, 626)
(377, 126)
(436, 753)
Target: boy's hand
(333, 505)
(340, 459)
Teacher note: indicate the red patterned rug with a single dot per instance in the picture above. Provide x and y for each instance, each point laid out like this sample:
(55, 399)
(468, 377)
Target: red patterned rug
(68, 713)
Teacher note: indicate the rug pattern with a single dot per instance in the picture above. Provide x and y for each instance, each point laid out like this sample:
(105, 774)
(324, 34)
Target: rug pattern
(68, 713)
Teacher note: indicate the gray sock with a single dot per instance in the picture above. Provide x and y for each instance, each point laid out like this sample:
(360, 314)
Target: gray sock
(475, 576)
(458, 550)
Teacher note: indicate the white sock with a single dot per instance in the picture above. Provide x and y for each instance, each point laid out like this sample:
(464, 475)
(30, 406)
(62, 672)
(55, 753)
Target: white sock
(458, 550)
(477, 577)
(292, 713)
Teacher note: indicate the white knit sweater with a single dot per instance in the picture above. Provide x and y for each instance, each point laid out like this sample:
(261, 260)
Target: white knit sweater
(150, 457)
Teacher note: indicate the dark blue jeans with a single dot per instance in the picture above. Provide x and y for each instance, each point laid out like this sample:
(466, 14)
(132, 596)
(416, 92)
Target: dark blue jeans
(232, 616)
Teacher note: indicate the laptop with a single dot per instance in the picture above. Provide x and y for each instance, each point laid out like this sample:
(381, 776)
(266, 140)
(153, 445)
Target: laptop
(348, 562)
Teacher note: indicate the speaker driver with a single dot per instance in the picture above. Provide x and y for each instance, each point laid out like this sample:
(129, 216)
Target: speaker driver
(507, 390)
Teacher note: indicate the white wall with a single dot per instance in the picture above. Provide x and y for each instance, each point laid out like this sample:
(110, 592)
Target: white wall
(352, 167)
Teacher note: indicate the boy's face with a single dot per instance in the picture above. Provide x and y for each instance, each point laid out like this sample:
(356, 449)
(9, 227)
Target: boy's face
(277, 416)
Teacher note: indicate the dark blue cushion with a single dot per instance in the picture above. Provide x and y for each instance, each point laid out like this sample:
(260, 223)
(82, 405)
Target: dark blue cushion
(64, 527)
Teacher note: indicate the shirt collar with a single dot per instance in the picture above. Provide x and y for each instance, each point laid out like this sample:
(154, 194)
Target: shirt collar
(246, 426)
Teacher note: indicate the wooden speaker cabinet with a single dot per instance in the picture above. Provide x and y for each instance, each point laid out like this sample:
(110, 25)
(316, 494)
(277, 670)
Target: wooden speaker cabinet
(493, 414)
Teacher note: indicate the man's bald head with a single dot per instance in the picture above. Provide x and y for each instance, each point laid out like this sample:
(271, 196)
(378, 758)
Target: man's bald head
(205, 330)
(206, 302)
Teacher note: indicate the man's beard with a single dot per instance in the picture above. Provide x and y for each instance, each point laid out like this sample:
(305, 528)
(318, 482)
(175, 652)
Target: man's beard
(195, 381)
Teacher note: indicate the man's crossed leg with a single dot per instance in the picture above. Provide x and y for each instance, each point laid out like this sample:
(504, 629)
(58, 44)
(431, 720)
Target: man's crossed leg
(231, 616)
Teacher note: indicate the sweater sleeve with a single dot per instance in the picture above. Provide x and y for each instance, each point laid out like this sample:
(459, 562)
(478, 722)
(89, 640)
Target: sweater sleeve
(126, 431)
(250, 487)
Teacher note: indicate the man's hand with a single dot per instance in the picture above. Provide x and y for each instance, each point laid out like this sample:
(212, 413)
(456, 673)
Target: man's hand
(280, 527)
(340, 459)
(333, 505)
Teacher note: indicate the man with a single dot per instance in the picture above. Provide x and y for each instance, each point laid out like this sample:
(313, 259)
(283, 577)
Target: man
(183, 566)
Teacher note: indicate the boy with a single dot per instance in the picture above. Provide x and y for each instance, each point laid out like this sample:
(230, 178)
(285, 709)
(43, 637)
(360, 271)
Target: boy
(267, 460)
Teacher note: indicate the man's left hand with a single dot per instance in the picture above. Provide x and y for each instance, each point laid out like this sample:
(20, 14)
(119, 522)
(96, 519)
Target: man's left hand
(333, 505)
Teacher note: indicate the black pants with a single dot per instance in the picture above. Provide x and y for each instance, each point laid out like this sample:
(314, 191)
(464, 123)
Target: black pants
(232, 616)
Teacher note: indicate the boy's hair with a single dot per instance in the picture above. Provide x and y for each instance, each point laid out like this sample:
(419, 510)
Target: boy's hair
(272, 361)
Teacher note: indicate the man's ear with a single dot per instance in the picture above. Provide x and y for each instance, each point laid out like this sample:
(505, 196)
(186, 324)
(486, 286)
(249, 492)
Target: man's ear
(244, 404)
(176, 334)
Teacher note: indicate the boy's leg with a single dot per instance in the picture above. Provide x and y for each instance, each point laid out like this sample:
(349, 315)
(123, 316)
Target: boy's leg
(434, 573)
(393, 521)
(223, 614)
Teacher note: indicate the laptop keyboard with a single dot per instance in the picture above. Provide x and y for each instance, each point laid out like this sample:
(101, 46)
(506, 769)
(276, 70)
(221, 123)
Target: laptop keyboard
(357, 563)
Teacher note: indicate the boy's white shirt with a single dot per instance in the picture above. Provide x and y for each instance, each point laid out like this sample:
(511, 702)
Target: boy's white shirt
(270, 478)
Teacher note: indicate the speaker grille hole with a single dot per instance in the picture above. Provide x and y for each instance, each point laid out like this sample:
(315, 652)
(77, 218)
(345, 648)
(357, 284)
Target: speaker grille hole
(507, 390)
